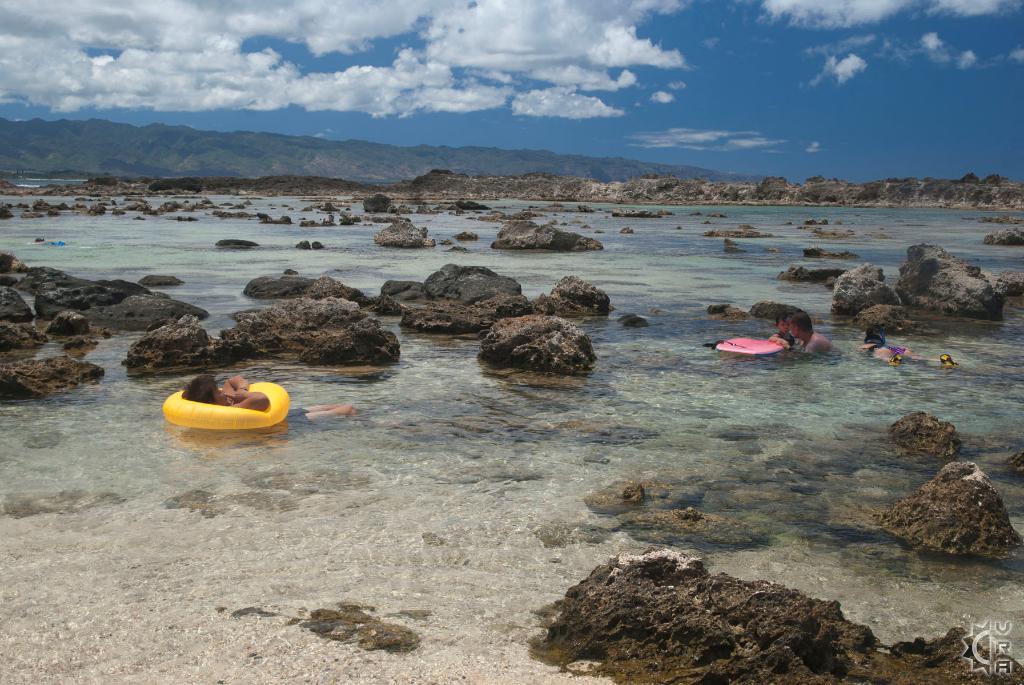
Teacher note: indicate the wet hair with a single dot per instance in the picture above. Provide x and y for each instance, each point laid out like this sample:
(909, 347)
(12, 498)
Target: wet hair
(802, 321)
(201, 389)
(784, 316)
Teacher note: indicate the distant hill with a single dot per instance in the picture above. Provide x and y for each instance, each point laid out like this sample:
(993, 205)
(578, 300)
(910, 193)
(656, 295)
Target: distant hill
(103, 147)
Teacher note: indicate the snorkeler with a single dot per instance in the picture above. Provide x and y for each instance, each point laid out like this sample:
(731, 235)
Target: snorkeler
(875, 342)
(236, 393)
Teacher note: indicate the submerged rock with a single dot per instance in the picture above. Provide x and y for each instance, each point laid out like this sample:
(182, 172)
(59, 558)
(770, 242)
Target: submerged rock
(351, 623)
(934, 280)
(141, 312)
(545, 344)
(236, 244)
(467, 284)
(572, 296)
(893, 318)
(801, 274)
(467, 236)
(404, 291)
(660, 617)
(63, 502)
(526, 235)
(922, 433)
(633, 321)
(12, 307)
(741, 231)
(958, 512)
(860, 288)
(277, 287)
(821, 253)
(40, 377)
(1016, 462)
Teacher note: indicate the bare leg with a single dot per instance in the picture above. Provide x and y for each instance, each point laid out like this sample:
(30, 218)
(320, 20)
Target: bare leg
(329, 411)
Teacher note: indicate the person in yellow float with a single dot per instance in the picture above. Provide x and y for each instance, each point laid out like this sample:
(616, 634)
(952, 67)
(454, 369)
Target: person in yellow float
(235, 393)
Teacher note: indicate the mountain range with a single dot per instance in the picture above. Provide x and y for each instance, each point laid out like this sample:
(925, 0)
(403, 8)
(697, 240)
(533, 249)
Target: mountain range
(96, 146)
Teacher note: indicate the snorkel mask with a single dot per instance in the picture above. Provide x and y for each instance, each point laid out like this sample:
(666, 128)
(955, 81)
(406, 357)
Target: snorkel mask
(875, 339)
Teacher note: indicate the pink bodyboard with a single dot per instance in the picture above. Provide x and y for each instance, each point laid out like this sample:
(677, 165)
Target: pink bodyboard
(748, 346)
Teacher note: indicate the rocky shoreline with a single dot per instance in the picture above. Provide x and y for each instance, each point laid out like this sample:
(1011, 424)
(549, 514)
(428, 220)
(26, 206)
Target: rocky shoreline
(969, 192)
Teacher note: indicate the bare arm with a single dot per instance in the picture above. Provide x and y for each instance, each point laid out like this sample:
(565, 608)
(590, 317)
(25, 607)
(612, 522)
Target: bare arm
(234, 384)
(256, 401)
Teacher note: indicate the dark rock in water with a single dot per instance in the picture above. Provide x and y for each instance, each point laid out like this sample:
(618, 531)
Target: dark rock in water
(326, 331)
(545, 344)
(620, 497)
(303, 245)
(676, 526)
(325, 286)
(158, 281)
(68, 322)
(79, 345)
(922, 433)
(9, 264)
(726, 312)
(640, 214)
(40, 377)
(572, 296)
(180, 345)
(350, 623)
(1010, 236)
(253, 611)
(457, 248)
(556, 535)
(934, 280)
(267, 219)
(633, 321)
(141, 312)
(801, 274)
(771, 310)
(660, 617)
(741, 231)
(384, 306)
(453, 318)
(7, 280)
(63, 502)
(470, 205)
(236, 243)
(1010, 283)
(1016, 462)
(19, 336)
(731, 246)
(626, 230)
(290, 272)
(467, 236)
(51, 301)
(892, 318)
(403, 234)
(526, 235)
(404, 291)
(271, 287)
(958, 512)
(203, 502)
(466, 284)
(376, 204)
(43, 440)
(317, 245)
(861, 288)
(820, 253)
(12, 307)
(40, 278)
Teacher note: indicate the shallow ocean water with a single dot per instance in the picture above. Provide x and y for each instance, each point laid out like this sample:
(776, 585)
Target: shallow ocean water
(494, 465)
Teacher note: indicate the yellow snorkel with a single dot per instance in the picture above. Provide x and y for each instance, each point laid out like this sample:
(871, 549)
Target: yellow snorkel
(947, 361)
(896, 360)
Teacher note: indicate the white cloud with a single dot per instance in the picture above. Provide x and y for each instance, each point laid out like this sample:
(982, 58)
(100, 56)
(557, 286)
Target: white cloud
(188, 55)
(711, 42)
(841, 69)
(846, 13)
(662, 97)
(1017, 55)
(966, 60)
(561, 102)
(844, 45)
(704, 139)
(677, 85)
(934, 47)
(813, 148)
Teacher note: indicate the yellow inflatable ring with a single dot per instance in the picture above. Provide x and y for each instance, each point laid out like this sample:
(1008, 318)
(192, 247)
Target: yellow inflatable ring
(182, 412)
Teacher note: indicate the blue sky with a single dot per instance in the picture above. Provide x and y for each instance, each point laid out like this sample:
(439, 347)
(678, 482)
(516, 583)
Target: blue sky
(858, 89)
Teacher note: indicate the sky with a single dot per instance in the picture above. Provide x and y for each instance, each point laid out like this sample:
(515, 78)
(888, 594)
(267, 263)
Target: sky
(856, 89)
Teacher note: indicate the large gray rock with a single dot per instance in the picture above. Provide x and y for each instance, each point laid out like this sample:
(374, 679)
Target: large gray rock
(958, 512)
(1009, 236)
(1009, 283)
(10, 264)
(68, 323)
(39, 278)
(860, 288)
(934, 280)
(546, 344)
(468, 284)
(160, 281)
(141, 312)
(179, 345)
(404, 291)
(277, 287)
(572, 296)
(39, 377)
(403, 234)
(12, 307)
(19, 336)
(456, 318)
(376, 204)
(923, 434)
(50, 302)
(526, 235)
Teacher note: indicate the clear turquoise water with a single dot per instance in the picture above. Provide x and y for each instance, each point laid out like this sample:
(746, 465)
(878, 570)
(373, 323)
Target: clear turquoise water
(793, 447)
